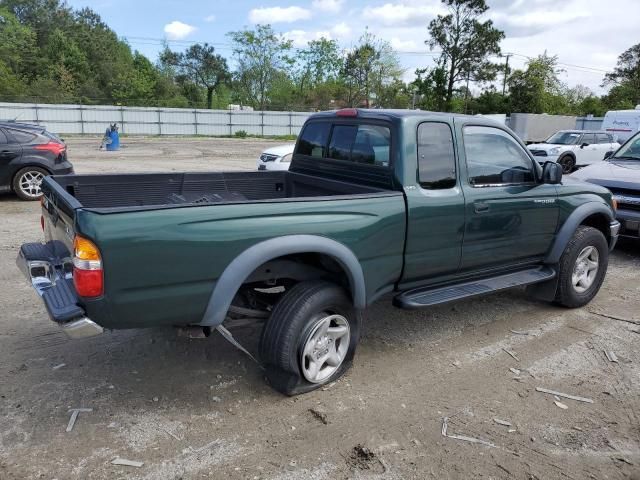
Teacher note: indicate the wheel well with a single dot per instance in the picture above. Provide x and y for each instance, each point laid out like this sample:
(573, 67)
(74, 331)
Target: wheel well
(599, 222)
(567, 154)
(22, 167)
(288, 270)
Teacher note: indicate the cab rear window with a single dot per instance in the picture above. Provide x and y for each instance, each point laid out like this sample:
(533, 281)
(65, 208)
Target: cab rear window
(358, 143)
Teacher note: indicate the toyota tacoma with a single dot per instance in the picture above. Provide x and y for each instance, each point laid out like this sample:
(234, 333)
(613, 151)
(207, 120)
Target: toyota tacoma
(427, 207)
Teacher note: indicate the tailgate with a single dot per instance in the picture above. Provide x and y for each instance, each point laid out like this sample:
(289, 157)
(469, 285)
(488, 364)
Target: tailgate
(58, 212)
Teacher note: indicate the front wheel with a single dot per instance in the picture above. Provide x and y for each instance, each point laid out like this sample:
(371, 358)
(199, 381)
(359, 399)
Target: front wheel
(310, 337)
(583, 266)
(568, 163)
(27, 182)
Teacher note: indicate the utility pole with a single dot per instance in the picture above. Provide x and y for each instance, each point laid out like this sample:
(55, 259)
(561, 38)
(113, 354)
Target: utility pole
(506, 72)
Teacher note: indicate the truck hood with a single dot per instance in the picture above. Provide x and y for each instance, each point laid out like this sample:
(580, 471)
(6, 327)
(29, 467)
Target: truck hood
(612, 173)
(281, 150)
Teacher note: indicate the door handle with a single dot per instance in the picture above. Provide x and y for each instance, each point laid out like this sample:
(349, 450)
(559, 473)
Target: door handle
(480, 207)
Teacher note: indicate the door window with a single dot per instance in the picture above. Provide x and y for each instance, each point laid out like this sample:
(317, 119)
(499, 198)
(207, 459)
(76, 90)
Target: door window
(603, 138)
(436, 158)
(495, 158)
(588, 138)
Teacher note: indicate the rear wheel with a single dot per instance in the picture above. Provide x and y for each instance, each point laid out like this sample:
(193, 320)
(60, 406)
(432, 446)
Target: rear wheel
(310, 338)
(583, 266)
(27, 182)
(568, 163)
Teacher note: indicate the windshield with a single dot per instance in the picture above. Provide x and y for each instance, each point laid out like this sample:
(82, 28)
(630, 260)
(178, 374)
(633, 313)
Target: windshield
(630, 150)
(563, 138)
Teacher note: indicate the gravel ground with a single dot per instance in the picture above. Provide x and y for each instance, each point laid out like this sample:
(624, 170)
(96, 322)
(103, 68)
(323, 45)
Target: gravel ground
(200, 409)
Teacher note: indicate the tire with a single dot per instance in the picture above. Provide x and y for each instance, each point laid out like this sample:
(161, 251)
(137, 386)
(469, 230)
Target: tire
(295, 334)
(26, 183)
(579, 280)
(568, 164)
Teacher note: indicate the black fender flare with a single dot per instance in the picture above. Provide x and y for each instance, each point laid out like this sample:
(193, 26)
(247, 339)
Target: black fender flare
(567, 154)
(244, 264)
(571, 224)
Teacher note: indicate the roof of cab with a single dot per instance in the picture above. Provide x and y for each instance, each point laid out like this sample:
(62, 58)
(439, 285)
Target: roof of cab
(388, 114)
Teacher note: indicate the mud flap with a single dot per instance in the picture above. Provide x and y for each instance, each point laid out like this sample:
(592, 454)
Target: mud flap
(545, 291)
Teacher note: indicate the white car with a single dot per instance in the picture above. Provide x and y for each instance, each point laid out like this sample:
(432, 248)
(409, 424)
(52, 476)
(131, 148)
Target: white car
(276, 158)
(574, 148)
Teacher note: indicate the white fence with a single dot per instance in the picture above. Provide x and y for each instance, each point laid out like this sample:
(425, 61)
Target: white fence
(94, 119)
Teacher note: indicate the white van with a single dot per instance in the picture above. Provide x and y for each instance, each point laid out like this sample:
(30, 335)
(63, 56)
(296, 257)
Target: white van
(622, 123)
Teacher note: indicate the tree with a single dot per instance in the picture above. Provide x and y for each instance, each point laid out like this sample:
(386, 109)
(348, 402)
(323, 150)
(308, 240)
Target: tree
(626, 76)
(369, 68)
(536, 89)
(201, 65)
(261, 56)
(430, 86)
(465, 43)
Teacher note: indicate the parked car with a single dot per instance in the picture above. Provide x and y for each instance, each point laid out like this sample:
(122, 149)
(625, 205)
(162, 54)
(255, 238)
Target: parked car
(375, 201)
(27, 154)
(620, 173)
(276, 158)
(622, 123)
(574, 148)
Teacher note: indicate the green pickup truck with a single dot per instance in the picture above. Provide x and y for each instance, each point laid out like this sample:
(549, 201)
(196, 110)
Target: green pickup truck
(429, 207)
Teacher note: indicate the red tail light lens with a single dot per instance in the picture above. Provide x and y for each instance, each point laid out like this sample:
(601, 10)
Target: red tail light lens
(53, 147)
(88, 276)
(347, 112)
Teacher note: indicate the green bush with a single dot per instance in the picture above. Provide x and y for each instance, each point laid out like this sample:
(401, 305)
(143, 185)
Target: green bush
(241, 134)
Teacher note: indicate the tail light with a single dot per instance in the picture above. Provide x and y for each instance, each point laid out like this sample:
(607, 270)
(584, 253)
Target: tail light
(52, 147)
(347, 112)
(88, 276)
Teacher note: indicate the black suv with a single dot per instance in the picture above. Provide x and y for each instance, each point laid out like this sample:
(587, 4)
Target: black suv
(27, 154)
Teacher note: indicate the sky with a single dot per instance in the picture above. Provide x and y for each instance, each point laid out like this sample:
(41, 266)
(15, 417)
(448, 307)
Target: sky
(586, 35)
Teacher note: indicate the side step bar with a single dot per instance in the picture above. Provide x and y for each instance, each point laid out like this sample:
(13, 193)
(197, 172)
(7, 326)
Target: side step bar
(426, 297)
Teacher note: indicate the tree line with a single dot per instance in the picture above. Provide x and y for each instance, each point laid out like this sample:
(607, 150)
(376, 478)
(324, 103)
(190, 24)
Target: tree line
(51, 53)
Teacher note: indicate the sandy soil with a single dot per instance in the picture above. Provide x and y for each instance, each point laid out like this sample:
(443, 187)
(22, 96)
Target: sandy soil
(200, 409)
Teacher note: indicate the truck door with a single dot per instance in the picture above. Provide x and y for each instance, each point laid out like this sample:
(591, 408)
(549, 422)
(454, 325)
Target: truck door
(511, 216)
(435, 207)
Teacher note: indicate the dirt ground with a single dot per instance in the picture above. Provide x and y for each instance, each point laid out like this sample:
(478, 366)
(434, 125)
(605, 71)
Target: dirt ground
(200, 409)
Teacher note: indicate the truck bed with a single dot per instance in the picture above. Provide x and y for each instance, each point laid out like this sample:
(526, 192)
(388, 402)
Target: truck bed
(126, 192)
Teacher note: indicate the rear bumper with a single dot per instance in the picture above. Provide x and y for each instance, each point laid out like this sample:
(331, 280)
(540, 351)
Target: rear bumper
(48, 268)
(64, 168)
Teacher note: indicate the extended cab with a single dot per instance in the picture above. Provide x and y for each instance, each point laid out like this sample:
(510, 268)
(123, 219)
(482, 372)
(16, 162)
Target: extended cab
(428, 207)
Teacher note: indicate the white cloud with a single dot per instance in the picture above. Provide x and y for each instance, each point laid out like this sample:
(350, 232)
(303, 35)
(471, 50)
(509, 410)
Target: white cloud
(210, 18)
(341, 30)
(402, 14)
(177, 30)
(332, 6)
(279, 14)
(403, 45)
(301, 38)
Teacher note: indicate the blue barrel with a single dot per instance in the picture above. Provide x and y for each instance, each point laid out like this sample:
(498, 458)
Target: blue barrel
(114, 144)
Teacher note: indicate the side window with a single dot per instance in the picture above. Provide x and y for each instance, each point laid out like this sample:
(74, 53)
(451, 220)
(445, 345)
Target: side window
(313, 140)
(588, 138)
(21, 137)
(436, 158)
(3, 138)
(495, 158)
(603, 138)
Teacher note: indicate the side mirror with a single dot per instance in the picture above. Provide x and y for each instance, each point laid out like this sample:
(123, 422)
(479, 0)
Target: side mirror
(585, 144)
(551, 173)
(608, 154)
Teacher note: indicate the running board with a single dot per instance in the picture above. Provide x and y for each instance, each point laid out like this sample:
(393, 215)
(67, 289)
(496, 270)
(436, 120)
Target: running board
(425, 297)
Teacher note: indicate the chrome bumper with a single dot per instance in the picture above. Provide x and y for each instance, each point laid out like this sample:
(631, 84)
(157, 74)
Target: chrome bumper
(48, 270)
(614, 229)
